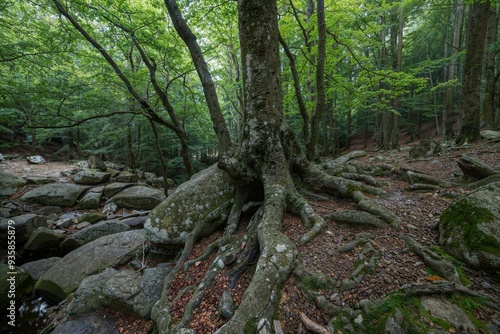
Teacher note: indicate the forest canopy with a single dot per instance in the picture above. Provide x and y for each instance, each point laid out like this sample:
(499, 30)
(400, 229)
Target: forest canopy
(124, 84)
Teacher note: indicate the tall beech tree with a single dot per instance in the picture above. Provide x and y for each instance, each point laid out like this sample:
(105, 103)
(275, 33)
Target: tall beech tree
(477, 27)
(261, 169)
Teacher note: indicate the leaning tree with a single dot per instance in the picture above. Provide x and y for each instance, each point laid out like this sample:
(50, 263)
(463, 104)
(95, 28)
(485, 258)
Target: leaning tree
(262, 169)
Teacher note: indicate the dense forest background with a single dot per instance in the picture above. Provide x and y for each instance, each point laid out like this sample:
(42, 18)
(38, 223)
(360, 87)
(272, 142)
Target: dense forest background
(119, 79)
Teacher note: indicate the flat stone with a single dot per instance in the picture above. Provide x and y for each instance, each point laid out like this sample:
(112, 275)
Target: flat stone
(138, 197)
(60, 194)
(91, 177)
(92, 233)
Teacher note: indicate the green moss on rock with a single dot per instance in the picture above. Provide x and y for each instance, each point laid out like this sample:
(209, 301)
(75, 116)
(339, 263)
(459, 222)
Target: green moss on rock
(470, 228)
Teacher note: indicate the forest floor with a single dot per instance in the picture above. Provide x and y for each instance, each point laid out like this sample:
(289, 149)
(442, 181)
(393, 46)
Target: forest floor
(420, 215)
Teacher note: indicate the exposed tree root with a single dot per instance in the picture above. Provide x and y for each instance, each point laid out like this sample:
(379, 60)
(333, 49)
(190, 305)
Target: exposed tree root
(416, 177)
(356, 218)
(366, 204)
(312, 326)
(433, 260)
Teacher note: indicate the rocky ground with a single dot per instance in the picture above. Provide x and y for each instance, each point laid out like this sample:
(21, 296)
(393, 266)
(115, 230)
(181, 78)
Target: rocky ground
(329, 254)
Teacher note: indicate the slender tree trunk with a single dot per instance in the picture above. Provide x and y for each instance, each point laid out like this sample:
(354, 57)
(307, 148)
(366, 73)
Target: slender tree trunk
(489, 98)
(476, 34)
(204, 74)
(163, 162)
(312, 143)
(455, 47)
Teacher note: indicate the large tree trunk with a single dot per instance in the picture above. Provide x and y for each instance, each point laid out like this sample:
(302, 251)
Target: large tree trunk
(489, 98)
(312, 141)
(476, 35)
(204, 74)
(455, 47)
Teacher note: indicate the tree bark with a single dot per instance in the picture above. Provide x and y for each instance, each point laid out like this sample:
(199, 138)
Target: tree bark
(476, 35)
(489, 98)
(201, 66)
(312, 141)
(455, 47)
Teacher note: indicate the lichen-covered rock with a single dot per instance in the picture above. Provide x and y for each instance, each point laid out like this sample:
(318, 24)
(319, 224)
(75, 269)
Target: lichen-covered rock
(91, 200)
(205, 197)
(60, 194)
(470, 228)
(91, 177)
(88, 296)
(35, 159)
(9, 184)
(490, 135)
(134, 293)
(138, 197)
(105, 252)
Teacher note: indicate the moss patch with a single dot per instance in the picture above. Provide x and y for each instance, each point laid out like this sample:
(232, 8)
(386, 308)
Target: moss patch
(466, 214)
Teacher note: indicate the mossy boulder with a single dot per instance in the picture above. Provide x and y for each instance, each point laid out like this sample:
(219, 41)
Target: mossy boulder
(205, 197)
(470, 228)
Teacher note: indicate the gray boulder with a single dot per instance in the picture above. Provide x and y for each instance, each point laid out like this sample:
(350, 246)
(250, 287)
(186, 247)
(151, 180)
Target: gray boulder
(128, 291)
(470, 228)
(204, 198)
(133, 293)
(91, 200)
(24, 226)
(60, 194)
(44, 238)
(490, 135)
(105, 252)
(126, 177)
(96, 163)
(9, 184)
(35, 159)
(138, 197)
(115, 187)
(36, 269)
(91, 177)
(88, 296)
(92, 233)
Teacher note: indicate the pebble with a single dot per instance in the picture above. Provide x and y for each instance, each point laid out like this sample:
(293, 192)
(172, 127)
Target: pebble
(486, 285)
